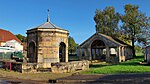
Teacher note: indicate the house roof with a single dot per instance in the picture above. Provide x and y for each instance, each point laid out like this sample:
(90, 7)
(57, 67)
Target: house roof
(7, 35)
(116, 41)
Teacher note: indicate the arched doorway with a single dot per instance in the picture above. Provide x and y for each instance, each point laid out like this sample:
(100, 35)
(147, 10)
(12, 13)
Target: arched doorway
(32, 53)
(62, 52)
(98, 50)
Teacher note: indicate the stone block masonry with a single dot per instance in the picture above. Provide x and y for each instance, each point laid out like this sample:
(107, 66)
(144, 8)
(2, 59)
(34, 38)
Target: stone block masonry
(59, 67)
(69, 66)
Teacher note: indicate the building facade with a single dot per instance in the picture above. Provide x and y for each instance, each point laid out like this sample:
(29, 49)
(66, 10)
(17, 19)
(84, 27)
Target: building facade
(15, 44)
(104, 48)
(47, 44)
(7, 36)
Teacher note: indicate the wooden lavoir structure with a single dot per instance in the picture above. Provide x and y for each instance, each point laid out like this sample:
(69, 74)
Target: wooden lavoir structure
(104, 48)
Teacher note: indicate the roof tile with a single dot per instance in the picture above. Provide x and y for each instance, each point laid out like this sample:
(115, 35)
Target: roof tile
(7, 35)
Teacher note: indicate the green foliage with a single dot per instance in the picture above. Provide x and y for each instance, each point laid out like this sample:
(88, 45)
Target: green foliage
(71, 45)
(21, 37)
(135, 25)
(107, 21)
(134, 28)
(138, 49)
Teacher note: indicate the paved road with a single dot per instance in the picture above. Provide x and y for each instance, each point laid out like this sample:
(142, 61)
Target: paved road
(107, 79)
(89, 79)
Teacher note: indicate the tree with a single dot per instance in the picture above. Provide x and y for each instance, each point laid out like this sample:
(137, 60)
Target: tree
(135, 25)
(21, 37)
(72, 45)
(138, 49)
(107, 21)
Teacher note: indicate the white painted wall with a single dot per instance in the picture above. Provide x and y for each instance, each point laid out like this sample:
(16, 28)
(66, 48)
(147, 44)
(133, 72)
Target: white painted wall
(3, 43)
(16, 45)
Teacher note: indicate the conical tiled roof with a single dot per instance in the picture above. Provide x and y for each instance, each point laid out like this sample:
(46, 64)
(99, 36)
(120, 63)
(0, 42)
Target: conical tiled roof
(47, 25)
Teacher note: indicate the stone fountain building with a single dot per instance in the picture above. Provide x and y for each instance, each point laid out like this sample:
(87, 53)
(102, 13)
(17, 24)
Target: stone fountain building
(46, 44)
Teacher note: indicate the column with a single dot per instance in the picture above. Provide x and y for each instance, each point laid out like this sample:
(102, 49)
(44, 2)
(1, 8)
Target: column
(94, 54)
(107, 54)
(80, 53)
(123, 56)
(89, 53)
(119, 54)
(122, 51)
(85, 53)
(66, 60)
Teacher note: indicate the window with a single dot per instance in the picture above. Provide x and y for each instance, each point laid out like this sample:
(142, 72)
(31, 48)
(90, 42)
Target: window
(112, 52)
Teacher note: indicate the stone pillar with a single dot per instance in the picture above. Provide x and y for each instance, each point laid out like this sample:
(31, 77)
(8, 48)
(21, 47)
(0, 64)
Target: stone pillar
(120, 55)
(80, 53)
(89, 54)
(66, 57)
(94, 54)
(107, 54)
(85, 52)
(99, 52)
(123, 56)
(122, 51)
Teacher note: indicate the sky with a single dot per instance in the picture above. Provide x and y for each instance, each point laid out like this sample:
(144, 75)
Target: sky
(76, 16)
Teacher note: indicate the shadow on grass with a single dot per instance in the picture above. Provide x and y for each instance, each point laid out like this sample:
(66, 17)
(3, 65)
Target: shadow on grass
(98, 66)
(132, 62)
(123, 79)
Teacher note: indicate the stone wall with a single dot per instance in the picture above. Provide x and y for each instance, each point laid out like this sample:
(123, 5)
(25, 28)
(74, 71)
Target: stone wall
(60, 67)
(24, 67)
(113, 60)
(69, 66)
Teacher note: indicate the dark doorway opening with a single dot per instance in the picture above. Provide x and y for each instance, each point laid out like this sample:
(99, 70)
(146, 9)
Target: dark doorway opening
(98, 50)
(32, 53)
(62, 52)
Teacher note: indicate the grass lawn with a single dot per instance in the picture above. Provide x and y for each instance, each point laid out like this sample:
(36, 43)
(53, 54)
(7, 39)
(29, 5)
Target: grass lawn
(130, 66)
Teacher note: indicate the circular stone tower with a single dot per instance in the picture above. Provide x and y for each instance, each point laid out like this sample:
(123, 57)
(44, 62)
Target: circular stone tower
(46, 44)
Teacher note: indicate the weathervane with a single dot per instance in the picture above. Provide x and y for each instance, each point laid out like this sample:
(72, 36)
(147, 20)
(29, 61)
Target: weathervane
(48, 17)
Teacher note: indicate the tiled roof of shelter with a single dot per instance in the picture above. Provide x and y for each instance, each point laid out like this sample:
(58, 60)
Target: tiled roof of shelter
(7, 35)
(114, 39)
(117, 41)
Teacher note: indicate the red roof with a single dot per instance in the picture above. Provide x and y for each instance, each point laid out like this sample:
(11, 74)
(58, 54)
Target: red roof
(7, 35)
